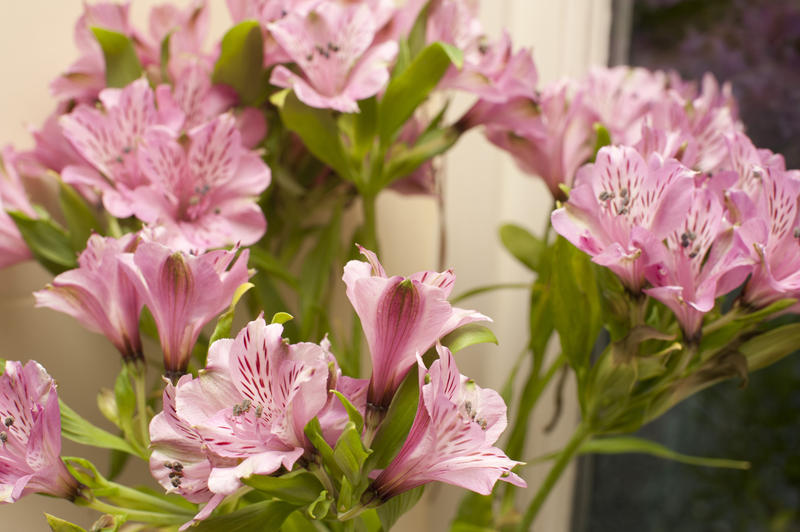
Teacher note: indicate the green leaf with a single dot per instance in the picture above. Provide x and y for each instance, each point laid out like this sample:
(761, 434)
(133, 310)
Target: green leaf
(80, 218)
(266, 516)
(164, 57)
(467, 335)
(409, 89)
(122, 63)
(630, 444)
(77, 429)
(395, 507)
(314, 432)
(225, 321)
(298, 487)
(48, 242)
(771, 346)
(316, 274)
(352, 412)
(403, 162)
(350, 454)
(395, 426)
(576, 305)
(525, 247)
(281, 317)
(241, 63)
(57, 524)
(766, 312)
(317, 129)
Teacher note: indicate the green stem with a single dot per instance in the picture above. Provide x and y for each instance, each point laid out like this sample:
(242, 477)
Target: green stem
(120, 493)
(352, 513)
(582, 433)
(139, 372)
(154, 518)
(369, 228)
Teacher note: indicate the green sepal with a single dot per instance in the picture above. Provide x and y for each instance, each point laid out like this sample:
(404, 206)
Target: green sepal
(352, 412)
(314, 432)
(281, 317)
(122, 63)
(241, 63)
(297, 487)
(48, 241)
(395, 425)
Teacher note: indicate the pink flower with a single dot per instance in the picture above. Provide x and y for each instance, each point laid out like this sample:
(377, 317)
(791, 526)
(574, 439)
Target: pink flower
(85, 78)
(109, 142)
(333, 46)
(245, 414)
(99, 294)
(774, 233)
(203, 192)
(13, 197)
(704, 258)
(620, 206)
(452, 437)
(401, 316)
(183, 292)
(30, 436)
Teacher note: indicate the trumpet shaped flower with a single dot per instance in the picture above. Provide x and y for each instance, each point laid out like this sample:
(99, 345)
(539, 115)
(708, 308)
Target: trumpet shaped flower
(183, 292)
(452, 437)
(332, 44)
(203, 194)
(401, 316)
(622, 206)
(30, 435)
(704, 257)
(99, 294)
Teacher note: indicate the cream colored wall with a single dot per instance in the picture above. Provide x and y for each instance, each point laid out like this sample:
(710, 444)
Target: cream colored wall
(482, 190)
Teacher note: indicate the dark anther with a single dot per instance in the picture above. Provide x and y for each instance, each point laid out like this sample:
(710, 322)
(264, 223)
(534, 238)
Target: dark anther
(259, 410)
(119, 159)
(176, 482)
(309, 57)
(332, 47)
(483, 48)
(8, 421)
(605, 195)
(693, 254)
(175, 474)
(3, 437)
(796, 232)
(177, 466)
(127, 149)
(623, 210)
(623, 192)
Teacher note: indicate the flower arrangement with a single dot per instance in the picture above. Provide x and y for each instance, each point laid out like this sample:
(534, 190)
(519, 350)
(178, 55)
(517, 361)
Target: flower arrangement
(192, 182)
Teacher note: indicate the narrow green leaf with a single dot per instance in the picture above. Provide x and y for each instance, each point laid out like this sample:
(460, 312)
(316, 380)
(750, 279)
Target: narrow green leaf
(316, 274)
(266, 516)
(409, 89)
(164, 57)
(48, 242)
(225, 321)
(397, 422)
(298, 487)
(365, 126)
(122, 63)
(241, 63)
(81, 220)
(57, 524)
(404, 162)
(395, 507)
(77, 429)
(771, 346)
(350, 454)
(314, 432)
(630, 444)
(352, 412)
(467, 335)
(317, 129)
(525, 247)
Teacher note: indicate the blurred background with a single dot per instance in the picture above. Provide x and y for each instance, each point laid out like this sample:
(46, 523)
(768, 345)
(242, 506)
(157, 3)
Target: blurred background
(755, 44)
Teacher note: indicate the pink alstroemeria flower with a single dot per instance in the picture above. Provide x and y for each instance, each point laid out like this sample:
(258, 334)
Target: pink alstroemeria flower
(205, 193)
(180, 462)
(621, 205)
(13, 197)
(183, 292)
(333, 46)
(451, 439)
(30, 435)
(401, 316)
(704, 258)
(773, 235)
(244, 415)
(109, 142)
(99, 294)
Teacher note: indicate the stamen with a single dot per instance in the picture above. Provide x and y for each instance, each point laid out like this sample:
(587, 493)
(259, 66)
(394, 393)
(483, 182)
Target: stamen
(8, 421)
(3, 437)
(605, 195)
(176, 482)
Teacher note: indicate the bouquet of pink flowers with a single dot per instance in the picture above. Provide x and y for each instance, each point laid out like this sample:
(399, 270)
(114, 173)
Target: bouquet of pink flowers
(189, 180)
